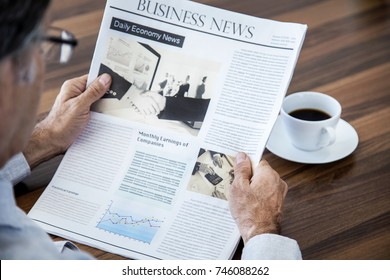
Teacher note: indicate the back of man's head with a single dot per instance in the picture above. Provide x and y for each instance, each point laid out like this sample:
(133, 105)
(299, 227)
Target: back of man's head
(18, 20)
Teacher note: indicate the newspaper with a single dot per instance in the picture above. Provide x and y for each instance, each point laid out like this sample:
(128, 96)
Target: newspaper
(192, 85)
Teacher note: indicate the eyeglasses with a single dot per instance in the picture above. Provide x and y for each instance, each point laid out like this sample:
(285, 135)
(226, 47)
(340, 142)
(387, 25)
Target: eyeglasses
(58, 44)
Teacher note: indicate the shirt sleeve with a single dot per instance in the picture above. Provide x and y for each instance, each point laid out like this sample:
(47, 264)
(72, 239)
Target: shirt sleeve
(271, 247)
(69, 250)
(16, 169)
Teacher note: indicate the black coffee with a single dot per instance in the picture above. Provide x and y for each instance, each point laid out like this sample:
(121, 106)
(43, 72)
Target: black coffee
(309, 115)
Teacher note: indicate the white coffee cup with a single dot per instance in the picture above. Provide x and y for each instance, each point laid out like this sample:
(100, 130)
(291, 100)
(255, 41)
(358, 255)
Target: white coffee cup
(306, 133)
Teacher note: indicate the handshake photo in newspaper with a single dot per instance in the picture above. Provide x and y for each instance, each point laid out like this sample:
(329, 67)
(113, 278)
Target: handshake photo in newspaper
(146, 103)
(124, 94)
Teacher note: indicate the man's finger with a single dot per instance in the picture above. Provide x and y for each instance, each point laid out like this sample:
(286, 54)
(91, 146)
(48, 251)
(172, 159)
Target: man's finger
(264, 171)
(95, 90)
(73, 87)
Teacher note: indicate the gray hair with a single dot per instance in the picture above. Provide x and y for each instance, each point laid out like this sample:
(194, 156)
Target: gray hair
(19, 20)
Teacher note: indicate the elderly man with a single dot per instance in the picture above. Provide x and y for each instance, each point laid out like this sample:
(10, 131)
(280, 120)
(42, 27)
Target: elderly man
(256, 201)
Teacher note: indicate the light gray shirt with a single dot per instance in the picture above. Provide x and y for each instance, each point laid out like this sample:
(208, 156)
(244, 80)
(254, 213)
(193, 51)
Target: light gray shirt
(21, 238)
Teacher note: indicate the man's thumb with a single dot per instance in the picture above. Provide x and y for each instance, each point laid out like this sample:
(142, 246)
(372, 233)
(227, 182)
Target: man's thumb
(96, 90)
(242, 167)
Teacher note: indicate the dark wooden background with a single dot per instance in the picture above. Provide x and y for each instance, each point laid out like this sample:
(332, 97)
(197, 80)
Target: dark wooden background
(339, 210)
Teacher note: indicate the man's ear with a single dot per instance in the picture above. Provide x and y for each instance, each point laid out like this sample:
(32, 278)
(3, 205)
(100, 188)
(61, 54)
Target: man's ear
(7, 74)
(25, 67)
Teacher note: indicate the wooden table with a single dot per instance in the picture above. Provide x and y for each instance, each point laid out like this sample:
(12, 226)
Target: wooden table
(339, 210)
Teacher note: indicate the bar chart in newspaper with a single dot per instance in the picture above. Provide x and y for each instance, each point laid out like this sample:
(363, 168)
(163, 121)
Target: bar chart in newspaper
(130, 223)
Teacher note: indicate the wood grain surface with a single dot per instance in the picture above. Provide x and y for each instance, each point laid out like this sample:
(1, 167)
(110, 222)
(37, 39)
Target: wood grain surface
(339, 210)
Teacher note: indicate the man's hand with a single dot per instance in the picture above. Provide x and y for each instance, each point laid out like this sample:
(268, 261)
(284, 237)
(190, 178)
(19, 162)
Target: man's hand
(158, 99)
(67, 118)
(147, 103)
(206, 169)
(256, 201)
(217, 160)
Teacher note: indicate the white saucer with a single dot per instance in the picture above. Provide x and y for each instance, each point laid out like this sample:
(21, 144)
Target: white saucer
(346, 142)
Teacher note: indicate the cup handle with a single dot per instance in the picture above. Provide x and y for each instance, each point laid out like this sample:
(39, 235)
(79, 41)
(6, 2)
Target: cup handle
(330, 137)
